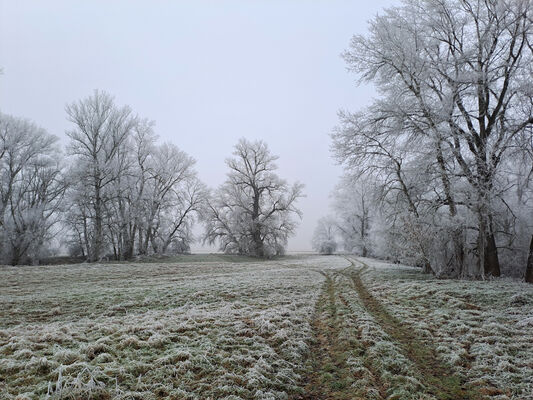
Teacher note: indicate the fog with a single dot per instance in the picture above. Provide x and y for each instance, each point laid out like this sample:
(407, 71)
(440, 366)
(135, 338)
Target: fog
(208, 73)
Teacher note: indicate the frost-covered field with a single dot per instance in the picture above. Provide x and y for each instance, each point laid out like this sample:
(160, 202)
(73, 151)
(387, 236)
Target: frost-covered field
(178, 331)
(482, 330)
(298, 328)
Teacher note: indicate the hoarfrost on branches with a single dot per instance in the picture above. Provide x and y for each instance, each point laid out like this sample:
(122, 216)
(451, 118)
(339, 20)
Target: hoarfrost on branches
(252, 212)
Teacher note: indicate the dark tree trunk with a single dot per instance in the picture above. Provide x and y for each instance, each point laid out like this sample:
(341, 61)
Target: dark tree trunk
(140, 242)
(15, 258)
(459, 253)
(128, 251)
(529, 265)
(146, 242)
(363, 229)
(256, 234)
(426, 269)
(492, 263)
(259, 249)
(95, 254)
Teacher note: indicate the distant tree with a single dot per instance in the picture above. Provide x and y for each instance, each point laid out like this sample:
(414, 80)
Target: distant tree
(354, 206)
(252, 212)
(324, 240)
(32, 187)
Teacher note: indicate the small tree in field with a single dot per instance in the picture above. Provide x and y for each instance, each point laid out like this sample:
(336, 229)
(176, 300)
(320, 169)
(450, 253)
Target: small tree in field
(252, 212)
(324, 236)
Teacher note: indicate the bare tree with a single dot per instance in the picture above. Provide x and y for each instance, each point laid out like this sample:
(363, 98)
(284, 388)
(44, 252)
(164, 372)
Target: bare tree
(131, 195)
(251, 213)
(354, 207)
(324, 236)
(453, 78)
(372, 150)
(174, 197)
(31, 189)
(101, 130)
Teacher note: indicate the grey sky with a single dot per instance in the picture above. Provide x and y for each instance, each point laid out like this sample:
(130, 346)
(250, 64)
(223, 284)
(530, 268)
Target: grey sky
(208, 73)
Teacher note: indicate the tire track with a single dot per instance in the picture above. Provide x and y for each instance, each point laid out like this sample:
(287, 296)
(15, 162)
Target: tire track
(438, 378)
(329, 377)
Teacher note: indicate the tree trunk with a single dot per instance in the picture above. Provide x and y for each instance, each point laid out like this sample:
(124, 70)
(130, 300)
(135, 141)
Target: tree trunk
(140, 242)
(363, 229)
(155, 246)
(97, 240)
(459, 252)
(131, 244)
(15, 258)
(529, 266)
(128, 250)
(491, 262)
(256, 233)
(426, 269)
(146, 242)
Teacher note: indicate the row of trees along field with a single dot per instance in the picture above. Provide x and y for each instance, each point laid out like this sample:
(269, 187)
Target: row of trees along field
(117, 193)
(439, 166)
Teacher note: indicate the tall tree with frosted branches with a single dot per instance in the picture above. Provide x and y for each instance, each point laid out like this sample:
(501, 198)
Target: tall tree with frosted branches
(252, 212)
(454, 79)
(99, 134)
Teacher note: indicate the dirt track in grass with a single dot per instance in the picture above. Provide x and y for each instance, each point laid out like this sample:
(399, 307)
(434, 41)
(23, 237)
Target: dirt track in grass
(440, 382)
(330, 375)
(269, 330)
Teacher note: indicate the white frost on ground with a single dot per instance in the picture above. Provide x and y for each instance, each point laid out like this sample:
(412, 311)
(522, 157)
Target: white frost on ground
(205, 330)
(241, 330)
(483, 329)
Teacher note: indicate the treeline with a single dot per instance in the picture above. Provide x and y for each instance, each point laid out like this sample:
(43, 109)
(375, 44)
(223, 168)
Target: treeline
(439, 166)
(116, 192)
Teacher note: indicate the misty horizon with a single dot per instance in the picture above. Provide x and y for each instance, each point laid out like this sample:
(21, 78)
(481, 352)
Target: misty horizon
(206, 73)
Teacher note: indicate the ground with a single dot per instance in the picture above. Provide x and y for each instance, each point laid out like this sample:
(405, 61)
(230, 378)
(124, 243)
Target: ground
(215, 327)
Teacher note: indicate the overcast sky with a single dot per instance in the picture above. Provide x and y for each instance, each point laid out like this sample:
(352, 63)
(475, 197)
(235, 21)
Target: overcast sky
(208, 73)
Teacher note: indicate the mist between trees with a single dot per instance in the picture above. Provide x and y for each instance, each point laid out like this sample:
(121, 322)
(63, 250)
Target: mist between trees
(439, 166)
(117, 193)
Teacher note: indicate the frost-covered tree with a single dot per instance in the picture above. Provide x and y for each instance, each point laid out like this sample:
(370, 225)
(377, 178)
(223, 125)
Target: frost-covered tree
(324, 237)
(354, 208)
(97, 144)
(174, 195)
(252, 212)
(32, 187)
(130, 195)
(455, 87)
(127, 209)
